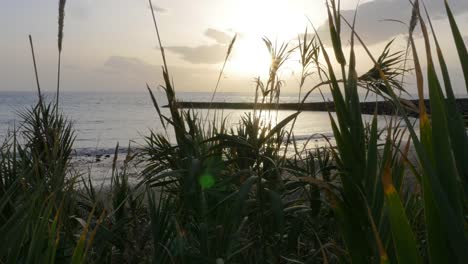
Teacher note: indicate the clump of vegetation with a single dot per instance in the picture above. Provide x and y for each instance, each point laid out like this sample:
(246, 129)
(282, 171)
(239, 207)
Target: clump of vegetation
(238, 195)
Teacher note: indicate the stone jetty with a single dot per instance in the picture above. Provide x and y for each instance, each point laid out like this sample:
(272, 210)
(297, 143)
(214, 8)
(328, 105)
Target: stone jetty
(381, 107)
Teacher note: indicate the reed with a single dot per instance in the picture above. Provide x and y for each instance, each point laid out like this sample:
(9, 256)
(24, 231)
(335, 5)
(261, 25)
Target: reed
(61, 19)
(35, 70)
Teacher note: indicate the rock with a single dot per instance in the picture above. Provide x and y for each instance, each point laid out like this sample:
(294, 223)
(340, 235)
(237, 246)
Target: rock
(107, 156)
(98, 159)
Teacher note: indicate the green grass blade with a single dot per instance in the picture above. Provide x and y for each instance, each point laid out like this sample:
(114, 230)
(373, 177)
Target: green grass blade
(372, 184)
(458, 39)
(403, 237)
(445, 163)
(449, 196)
(336, 40)
(281, 125)
(458, 138)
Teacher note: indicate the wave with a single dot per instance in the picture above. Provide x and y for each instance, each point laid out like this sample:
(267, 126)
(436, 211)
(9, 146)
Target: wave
(315, 136)
(101, 151)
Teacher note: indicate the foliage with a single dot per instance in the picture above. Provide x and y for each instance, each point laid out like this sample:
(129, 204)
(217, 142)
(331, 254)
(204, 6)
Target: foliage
(251, 193)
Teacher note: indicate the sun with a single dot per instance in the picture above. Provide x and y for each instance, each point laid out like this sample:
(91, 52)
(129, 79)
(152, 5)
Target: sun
(250, 57)
(279, 20)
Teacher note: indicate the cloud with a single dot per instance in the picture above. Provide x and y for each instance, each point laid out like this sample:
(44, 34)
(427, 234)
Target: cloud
(79, 9)
(372, 18)
(123, 65)
(129, 65)
(158, 8)
(120, 72)
(121, 62)
(220, 36)
(205, 54)
(71, 66)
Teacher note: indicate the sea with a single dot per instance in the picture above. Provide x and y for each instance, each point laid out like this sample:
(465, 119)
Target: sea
(103, 119)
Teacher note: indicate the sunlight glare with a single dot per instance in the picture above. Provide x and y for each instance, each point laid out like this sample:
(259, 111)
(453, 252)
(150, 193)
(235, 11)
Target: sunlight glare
(277, 20)
(250, 58)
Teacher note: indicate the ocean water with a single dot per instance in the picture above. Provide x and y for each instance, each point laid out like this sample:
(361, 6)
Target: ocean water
(103, 119)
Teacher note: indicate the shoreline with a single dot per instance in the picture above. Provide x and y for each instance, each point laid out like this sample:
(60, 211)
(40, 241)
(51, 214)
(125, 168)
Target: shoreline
(99, 167)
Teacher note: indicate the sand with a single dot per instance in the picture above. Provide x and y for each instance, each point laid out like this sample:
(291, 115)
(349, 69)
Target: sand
(99, 168)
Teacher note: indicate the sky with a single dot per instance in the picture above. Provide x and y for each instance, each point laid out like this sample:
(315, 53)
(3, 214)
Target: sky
(111, 45)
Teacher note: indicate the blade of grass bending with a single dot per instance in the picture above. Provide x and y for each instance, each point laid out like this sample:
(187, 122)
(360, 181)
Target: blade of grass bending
(280, 125)
(458, 39)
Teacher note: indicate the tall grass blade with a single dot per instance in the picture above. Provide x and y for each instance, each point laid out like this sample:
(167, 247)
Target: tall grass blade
(445, 165)
(458, 137)
(156, 106)
(35, 71)
(403, 237)
(334, 27)
(458, 39)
